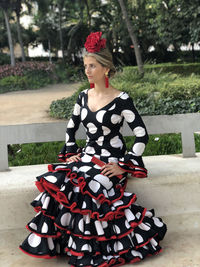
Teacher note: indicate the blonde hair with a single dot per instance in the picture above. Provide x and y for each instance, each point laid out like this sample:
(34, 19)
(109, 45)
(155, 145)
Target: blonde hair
(104, 57)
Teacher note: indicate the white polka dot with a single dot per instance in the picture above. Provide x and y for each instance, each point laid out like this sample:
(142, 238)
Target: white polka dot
(100, 115)
(76, 109)
(51, 178)
(43, 198)
(127, 194)
(116, 118)
(70, 241)
(118, 246)
(99, 228)
(97, 167)
(86, 158)
(100, 140)
(157, 222)
(128, 115)
(136, 254)
(111, 192)
(33, 226)
(139, 238)
(70, 124)
(124, 96)
(104, 180)
(50, 243)
(104, 224)
(138, 215)
(144, 227)
(106, 130)
(139, 131)
(84, 205)
(84, 168)
(81, 225)
(38, 197)
(118, 203)
(127, 224)
(105, 153)
(129, 215)
(84, 113)
(116, 142)
(117, 229)
(34, 240)
(74, 245)
(94, 186)
(113, 159)
(65, 219)
(44, 228)
(83, 101)
(138, 148)
(89, 150)
(87, 233)
(108, 248)
(86, 247)
(69, 195)
(153, 242)
(113, 107)
(91, 128)
(46, 203)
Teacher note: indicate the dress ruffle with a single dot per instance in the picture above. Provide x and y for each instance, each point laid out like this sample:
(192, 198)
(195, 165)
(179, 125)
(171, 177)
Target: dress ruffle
(72, 220)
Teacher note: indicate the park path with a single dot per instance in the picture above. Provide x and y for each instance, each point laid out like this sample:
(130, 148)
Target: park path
(31, 106)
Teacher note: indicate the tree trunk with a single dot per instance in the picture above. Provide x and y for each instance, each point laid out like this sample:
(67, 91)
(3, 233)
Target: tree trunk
(88, 13)
(193, 53)
(60, 32)
(49, 48)
(20, 38)
(10, 42)
(133, 37)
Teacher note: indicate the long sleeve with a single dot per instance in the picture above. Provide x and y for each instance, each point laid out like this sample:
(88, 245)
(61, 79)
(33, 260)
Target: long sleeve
(132, 161)
(70, 148)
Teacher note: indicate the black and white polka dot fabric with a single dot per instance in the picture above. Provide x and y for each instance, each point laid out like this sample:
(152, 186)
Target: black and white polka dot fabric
(82, 213)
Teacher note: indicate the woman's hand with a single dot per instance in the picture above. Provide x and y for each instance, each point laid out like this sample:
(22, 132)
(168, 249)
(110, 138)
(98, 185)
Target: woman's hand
(111, 169)
(74, 158)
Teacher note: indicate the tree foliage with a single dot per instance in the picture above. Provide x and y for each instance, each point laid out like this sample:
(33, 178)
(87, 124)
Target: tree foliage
(64, 25)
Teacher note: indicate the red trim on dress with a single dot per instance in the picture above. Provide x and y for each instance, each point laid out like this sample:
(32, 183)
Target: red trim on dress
(39, 256)
(58, 234)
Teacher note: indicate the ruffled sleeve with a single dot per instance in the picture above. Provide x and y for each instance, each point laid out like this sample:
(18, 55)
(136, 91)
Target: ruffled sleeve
(132, 161)
(71, 148)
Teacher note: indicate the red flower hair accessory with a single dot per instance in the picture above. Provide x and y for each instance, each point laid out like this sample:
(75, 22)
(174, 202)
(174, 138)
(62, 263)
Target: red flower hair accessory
(94, 43)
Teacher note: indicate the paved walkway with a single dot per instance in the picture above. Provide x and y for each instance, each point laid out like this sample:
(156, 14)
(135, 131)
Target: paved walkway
(31, 106)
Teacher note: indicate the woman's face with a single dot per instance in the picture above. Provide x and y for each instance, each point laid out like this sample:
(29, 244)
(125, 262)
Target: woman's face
(94, 71)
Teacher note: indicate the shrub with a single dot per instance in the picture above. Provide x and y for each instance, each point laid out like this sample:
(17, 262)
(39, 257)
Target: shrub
(156, 93)
(21, 68)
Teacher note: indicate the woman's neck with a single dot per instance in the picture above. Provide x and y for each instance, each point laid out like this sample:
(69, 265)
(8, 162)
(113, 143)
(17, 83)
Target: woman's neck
(100, 88)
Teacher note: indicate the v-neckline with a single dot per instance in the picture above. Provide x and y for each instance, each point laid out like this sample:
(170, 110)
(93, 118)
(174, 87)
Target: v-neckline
(104, 105)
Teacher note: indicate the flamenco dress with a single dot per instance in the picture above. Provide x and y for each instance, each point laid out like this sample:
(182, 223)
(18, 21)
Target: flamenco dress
(81, 213)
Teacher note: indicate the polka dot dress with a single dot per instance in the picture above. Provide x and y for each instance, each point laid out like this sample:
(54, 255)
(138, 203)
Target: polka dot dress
(84, 215)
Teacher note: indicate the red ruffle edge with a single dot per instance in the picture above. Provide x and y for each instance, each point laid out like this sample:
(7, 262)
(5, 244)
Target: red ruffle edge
(142, 173)
(122, 261)
(39, 256)
(103, 238)
(58, 234)
(59, 196)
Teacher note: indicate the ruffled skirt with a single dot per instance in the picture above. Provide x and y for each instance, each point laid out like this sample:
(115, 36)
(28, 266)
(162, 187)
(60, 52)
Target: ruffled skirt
(89, 217)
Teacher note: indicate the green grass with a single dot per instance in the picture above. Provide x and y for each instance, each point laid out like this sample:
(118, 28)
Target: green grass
(43, 153)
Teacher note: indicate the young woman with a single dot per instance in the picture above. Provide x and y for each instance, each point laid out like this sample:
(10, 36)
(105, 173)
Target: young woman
(83, 210)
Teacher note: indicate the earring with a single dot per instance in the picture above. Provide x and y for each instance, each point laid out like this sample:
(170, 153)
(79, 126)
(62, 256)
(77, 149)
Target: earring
(91, 85)
(106, 80)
